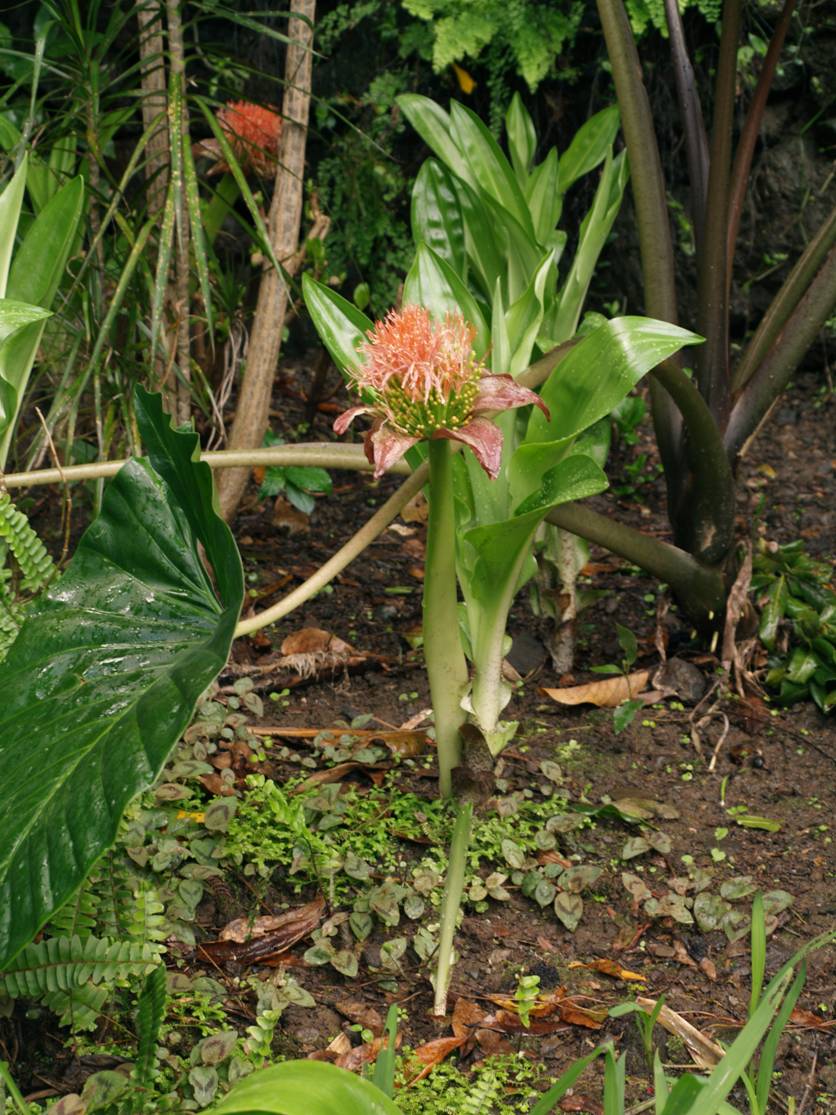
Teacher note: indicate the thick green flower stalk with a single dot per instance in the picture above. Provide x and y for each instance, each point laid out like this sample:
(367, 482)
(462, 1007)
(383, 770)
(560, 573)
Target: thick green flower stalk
(420, 380)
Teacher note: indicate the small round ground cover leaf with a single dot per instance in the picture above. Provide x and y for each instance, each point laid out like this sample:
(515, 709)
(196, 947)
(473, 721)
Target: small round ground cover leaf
(304, 1088)
(107, 669)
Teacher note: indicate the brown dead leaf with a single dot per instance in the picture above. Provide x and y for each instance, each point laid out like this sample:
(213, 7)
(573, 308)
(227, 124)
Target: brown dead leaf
(416, 510)
(709, 969)
(578, 1102)
(604, 694)
(466, 1017)
(336, 774)
(287, 516)
(432, 1053)
(704, 1052)
(242, 942)
(360, 1055)
(355, 1010)
(809, 1021)
(216, 785)
(400, 741)
(609, 968)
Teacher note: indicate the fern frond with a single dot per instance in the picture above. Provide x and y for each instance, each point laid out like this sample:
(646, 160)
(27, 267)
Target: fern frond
(36, 566)
(147, 922)
(80, 1008)
(149, 1018)
(78, 917)
(64, 963)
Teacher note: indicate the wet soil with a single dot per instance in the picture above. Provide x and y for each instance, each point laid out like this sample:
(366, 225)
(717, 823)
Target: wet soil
(777, 764)
(770, 763)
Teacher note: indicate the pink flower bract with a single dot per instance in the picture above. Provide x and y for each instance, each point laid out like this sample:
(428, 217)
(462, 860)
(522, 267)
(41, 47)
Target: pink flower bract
(426, 382)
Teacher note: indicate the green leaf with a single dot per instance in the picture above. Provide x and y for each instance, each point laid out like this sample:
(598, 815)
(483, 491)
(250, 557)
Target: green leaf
(341, 326)
(437, 216)
(304, 1088)
(16, 315)
(596, 374)
(543, 196)
(547, 1102)
(488, 165)
(595, 228)
(107, 669)
(522, 138)
(435, 127)
(433, 283)
(35, 273)
(624, 715)
(10, 202)
(589, 146)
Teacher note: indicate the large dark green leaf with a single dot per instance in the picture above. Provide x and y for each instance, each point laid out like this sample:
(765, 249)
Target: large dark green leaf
(107, 669)
(304, 1088)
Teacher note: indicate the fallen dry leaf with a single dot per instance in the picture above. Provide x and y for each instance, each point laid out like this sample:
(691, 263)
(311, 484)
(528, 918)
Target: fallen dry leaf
(466, 1017)
(242, 942)
(432, 1053)
(581, 1103)
(704, 1052)
(809, 1021)
(355, 1010)
(604, 694)
(609, 968)
(360, 1055)
(400, 741)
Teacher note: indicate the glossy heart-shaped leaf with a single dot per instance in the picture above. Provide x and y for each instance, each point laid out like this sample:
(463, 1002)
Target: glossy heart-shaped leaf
(106, 671)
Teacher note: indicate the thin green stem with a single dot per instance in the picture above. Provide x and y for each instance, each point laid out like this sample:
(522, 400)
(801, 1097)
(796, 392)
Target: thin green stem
(700, 588)
(335, 564)
(18, 1100)
(451, 904)
(311, 454)
(443, 654)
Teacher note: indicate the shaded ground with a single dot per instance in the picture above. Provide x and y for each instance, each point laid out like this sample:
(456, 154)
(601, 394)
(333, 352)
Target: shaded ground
(773, 765)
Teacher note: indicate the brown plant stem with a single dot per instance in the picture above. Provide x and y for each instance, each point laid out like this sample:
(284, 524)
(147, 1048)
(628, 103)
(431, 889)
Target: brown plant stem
(312, 454)
(712, 294)
(180, 295)
(785, 301)
(648, 188)
(749, 135)
(700, 588)
(152, 85)
(252, 412)
(774, 373)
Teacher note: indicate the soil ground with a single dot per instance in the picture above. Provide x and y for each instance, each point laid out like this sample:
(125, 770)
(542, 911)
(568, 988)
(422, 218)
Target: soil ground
(778, 764)
(774, 764)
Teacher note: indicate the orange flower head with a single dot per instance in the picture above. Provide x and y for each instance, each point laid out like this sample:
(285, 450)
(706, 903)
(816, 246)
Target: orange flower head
(425, 381)
(253, 132)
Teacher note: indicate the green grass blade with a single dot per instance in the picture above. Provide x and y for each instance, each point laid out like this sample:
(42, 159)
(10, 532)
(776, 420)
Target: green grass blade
(758, 947)
(545, 1105)
(164, 247)
(770, 1045)
(614, 1083)
(384, 1066)
(198, 235)
(733, 1065)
